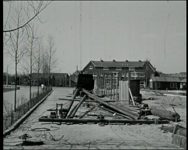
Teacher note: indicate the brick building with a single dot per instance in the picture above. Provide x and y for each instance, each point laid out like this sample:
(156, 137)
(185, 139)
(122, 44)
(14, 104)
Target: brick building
(140, 70)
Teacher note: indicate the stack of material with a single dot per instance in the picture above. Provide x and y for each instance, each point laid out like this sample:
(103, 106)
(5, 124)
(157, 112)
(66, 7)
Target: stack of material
(165, 114)
(179, 136)
(108, 111)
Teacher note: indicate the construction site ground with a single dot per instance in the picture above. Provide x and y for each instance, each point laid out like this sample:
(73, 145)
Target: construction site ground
(94, 136)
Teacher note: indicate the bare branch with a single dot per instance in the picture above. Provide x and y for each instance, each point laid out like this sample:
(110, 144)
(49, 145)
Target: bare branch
(11, 30)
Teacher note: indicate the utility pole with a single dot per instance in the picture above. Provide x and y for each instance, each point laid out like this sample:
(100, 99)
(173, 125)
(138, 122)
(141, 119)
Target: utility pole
(7, 76)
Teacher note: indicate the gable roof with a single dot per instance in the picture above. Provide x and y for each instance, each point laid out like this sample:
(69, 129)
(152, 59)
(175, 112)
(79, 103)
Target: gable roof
(76, 72)
(119, 64)
(166, 79)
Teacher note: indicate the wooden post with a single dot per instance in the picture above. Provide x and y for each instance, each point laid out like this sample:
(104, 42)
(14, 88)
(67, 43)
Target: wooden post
(104, 84)
(12, 115)
(129, 85)
(117, 85)
(111, 86)
(131, 97)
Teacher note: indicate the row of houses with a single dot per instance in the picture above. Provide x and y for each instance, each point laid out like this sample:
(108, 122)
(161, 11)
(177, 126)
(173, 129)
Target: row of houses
(138, 70)
(53, 79)
(168, 82)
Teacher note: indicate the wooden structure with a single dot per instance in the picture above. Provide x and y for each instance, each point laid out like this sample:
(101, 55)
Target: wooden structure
(141, 70)
(130, 115)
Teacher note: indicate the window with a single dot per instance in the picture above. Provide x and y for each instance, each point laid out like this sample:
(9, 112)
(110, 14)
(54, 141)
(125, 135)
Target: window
(90, 67)
(158, 84)
(134, 74)
(141, 74)
(94, 73)
(173, 85)
(123, 75)
(118, 68)
(105, 68)
(131, 68)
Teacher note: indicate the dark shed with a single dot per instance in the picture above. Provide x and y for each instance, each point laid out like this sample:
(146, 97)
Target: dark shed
(165, 83)
(135, 87)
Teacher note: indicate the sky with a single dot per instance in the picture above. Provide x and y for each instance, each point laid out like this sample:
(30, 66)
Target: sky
(119, 30)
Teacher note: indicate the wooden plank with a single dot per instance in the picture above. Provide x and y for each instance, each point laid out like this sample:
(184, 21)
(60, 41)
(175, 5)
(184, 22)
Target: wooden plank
(87, 112)
(117, 109)
(131, 96)
(165, 114)
(179, 140)
(71, 103)
(71, 115)
(111, 111)
(66, 99)
(123, 91)
(85, 121)
(180, 130)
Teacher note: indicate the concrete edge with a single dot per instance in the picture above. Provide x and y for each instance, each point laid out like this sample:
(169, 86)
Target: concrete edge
(24, 117)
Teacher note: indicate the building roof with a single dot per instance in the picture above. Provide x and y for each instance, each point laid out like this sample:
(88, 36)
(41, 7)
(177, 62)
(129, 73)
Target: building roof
(118, 63)
(176, 74)
(166, 79)
(76, 72)
(184, 80)
(59, 75)
(56, 75)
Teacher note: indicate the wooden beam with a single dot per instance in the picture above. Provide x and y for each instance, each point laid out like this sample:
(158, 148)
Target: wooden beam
(66, 99)
(107, 121)
(111, 111)
(87, 112)
(74, 110)
(134, 116)
(131, 96)
(71, 103)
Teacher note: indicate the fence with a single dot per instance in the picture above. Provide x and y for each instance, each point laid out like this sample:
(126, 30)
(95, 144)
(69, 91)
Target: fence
(11, 117)
(107, 84)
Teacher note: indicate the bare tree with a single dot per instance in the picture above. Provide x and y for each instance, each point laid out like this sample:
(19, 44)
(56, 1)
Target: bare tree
(16, 48)
(38, 64)
(36, 8)
(31, 51)
(50, 54)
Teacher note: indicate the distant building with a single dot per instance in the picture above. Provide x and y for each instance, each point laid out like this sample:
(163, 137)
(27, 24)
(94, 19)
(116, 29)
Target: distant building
(165, 83)
(73, 78)
(55, 79)
(140, 70)
(181, 75)
(183, 84)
